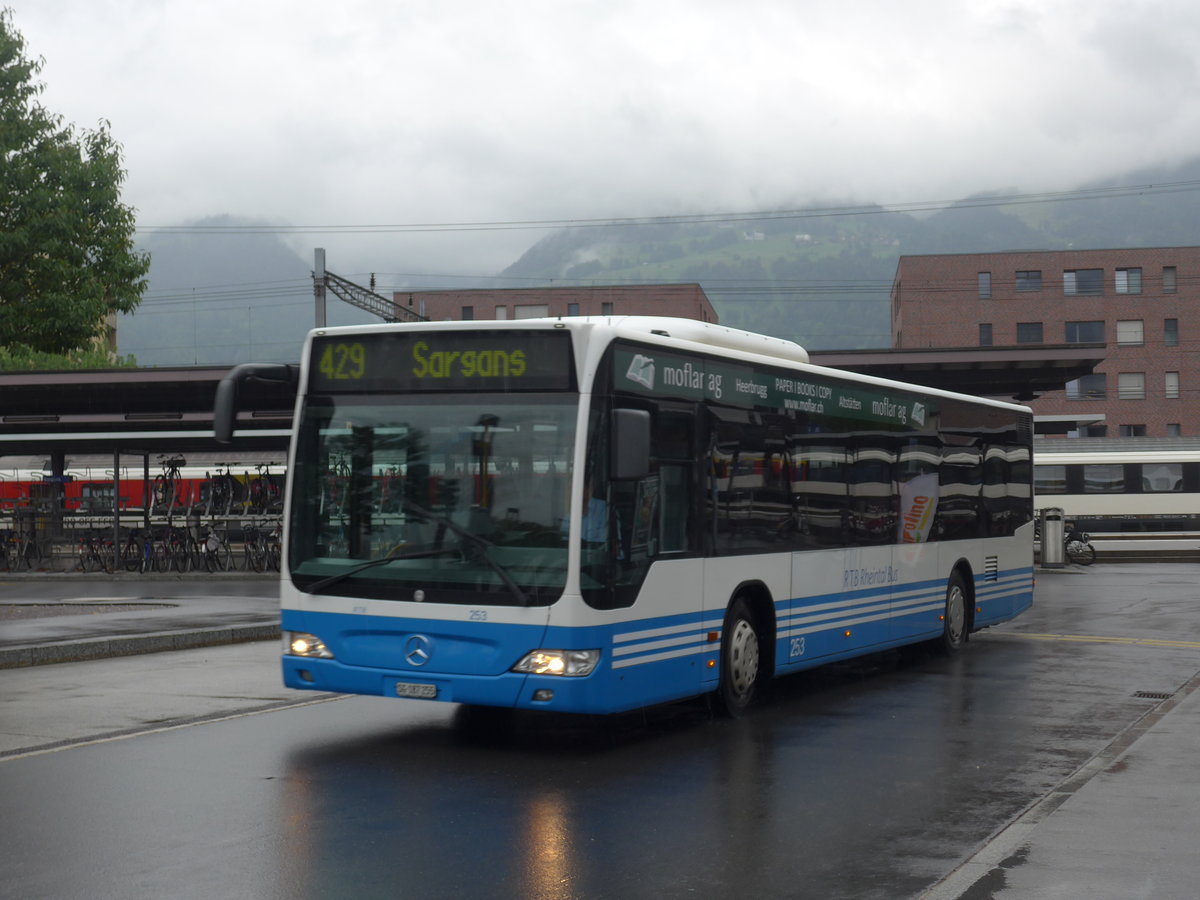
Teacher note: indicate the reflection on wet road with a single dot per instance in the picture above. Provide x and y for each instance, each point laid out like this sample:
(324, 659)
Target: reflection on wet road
(868, 779)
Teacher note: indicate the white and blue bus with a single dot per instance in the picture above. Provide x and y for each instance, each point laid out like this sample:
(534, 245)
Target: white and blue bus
(595, 514)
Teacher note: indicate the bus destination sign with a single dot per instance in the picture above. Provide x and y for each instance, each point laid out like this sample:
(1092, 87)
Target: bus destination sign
(495, 360)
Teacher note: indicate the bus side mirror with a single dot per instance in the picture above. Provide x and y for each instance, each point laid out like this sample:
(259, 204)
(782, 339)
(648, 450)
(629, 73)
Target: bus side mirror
(225, 410)
(225, 403)
(630, 448)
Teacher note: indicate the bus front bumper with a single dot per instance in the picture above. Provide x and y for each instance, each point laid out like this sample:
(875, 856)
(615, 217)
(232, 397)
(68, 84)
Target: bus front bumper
(510, 689)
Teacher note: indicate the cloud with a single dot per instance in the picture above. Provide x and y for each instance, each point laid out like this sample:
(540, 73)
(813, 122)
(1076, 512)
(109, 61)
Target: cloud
(427, 111)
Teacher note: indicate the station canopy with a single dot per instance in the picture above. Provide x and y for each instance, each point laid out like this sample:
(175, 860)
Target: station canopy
(1010, 373)
(170, 410)
(153, 410)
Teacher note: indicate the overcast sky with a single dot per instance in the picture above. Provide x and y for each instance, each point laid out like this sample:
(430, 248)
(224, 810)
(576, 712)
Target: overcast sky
(439, 111)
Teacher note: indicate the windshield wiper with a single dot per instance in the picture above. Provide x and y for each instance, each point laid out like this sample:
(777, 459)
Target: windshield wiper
(480, 543)
(317, 586)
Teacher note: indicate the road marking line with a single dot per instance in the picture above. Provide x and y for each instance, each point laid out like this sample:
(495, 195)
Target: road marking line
(1100, 639)
(1016, 839)
(72, 743)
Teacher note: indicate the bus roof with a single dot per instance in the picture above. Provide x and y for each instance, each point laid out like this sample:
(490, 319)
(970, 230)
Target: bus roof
(680, 334)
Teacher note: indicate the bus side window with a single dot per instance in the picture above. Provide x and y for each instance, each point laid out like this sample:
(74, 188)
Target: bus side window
(819, 491)
(674, 503)
(673, 450)
(960, 491)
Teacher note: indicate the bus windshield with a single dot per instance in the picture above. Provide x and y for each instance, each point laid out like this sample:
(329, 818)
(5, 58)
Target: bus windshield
(445, 499)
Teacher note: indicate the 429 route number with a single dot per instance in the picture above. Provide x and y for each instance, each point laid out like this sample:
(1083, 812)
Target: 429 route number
(343, 362)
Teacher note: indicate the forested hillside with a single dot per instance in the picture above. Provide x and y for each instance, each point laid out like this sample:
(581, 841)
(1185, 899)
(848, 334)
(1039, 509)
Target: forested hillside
(821, 278)
(824, 279)
(219, 299)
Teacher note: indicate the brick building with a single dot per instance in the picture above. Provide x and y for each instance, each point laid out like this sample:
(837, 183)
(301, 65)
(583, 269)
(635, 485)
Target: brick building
(687, 301)
(1141, 304)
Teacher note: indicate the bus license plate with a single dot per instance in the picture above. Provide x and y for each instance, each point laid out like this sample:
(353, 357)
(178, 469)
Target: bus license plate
(419, 691)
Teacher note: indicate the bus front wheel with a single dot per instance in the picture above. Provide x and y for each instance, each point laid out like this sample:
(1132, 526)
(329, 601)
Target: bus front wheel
(954, 628)
(741, 658)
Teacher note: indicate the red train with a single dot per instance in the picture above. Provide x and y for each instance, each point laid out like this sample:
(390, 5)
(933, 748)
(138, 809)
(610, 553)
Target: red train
(257, 492)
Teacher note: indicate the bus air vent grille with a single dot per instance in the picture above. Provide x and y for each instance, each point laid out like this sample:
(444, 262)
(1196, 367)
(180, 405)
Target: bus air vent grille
(991, 568)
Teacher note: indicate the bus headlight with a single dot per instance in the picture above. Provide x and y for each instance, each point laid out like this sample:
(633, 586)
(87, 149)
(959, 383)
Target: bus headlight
(570, 663)
(301, 643)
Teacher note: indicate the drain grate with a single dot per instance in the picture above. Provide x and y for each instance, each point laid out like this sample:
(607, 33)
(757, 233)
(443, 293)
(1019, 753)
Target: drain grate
(1154, 695)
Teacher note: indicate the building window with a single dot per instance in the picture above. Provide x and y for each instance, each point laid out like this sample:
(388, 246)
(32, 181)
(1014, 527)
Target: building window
(1174, 430)
(1129, 281)
(531, 311)
(985, 334)
(468, 313)
(1084, 332)
(572, 309)
(1089, 387)
(1029, 281)
(501, 312)
(1168, 286)
(1170, 332)
(1131, 386)
(1092, 431)
(985, 285)
(1130, 333)
(1172, 386)
(1132, 431)
(606, 309)
(1029, 332)
(1083, 282)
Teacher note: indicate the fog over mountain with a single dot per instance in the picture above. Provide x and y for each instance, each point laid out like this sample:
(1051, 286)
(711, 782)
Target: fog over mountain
(820, 278)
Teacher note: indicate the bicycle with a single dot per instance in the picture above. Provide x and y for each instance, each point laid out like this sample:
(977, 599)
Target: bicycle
(171, 549)
(95, 553)
(254, 549)
(137, 555)
(22, 552)
(215, 554)
(264, 494)
(169, 484)
(275, 547)
(336, 487)
(391, 491)
(222, 491)
(1077, 545)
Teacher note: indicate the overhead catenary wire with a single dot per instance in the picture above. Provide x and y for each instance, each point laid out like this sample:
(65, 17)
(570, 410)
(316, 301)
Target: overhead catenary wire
(232, 296)
(236, 297)
(743, 288)
(690, 218)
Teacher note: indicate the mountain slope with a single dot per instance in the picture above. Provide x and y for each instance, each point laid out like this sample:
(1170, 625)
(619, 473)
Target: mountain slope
(220, 299)
(824, 280)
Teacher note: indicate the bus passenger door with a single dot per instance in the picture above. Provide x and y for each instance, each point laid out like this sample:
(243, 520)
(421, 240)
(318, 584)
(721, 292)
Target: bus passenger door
(749, 527)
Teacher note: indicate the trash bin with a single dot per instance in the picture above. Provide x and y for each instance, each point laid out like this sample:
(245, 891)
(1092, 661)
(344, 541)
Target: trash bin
(1052, 537)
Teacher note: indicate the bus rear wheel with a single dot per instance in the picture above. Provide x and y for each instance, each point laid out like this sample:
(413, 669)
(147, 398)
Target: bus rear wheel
(742, 672)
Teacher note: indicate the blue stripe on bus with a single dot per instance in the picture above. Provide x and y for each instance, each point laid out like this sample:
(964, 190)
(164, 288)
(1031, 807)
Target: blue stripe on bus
(673, 637)
(667, 637)
(648, 660)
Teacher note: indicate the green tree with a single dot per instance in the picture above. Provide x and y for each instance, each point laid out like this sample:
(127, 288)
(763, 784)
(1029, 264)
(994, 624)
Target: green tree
(67, 259)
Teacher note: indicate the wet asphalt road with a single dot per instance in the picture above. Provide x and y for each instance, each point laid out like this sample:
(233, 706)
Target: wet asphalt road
(869, 779)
